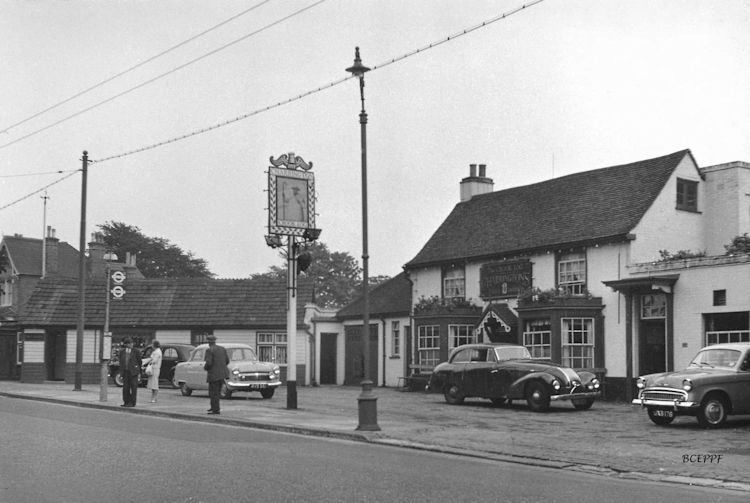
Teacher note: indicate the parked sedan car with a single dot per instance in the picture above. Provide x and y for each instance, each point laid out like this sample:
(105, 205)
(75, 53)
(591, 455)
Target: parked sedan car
(172, 354)
(506, 372)
(714, 385)
(246, 372)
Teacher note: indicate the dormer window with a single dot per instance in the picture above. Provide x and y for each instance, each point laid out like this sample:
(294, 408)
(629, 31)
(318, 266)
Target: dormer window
(454, 283)
(687, 195)
(571, 273)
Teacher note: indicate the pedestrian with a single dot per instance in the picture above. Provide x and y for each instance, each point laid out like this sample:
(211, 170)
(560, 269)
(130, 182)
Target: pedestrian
(130, 368)
(154, 360)
(216, 362)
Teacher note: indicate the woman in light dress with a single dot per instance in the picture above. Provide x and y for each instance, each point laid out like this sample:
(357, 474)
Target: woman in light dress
(155, 361)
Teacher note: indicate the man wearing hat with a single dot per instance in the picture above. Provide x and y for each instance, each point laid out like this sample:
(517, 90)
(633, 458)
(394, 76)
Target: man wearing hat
(217, 372)
(130, 368)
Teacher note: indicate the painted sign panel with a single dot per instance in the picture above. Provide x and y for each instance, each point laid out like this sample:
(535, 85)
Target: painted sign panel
(499, 280)
(291, 201)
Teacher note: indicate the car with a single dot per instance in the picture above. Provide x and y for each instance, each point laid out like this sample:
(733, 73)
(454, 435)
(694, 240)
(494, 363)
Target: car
(246, 372)
(172, 354)
(715, 384)
(507, 372)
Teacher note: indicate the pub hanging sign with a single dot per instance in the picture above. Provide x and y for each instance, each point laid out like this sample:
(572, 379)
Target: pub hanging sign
(498, 280)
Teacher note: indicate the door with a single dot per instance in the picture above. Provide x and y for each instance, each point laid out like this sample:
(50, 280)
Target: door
(653, 347)
(328, 361)
(354, 367)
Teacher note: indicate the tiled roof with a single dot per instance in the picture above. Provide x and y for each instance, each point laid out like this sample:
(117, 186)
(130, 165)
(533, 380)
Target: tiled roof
(390, 298)
(599, 205)
(26, 254)
(177, 303)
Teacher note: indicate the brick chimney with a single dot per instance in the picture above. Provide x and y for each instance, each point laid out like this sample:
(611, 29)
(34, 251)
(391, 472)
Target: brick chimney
(474, 184)
(51, 252)
(97, 266)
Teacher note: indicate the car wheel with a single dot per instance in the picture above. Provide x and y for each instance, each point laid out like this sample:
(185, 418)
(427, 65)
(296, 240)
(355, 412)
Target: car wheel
(453, 395)
(537, 397)
(185, 390)
(267, 393)
(660, 420)
(225, 394)
(118, 379)
(584, 404)
(498, 401)
(713, 412)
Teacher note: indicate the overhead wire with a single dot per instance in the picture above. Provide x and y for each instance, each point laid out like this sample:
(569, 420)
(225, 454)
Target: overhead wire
(298, 97)
(39, 190)
(158, 77)
(138, 65)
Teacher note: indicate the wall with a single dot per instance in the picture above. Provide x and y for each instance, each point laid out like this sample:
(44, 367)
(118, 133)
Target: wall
(172, 336)
(663, 227)
(727, 208)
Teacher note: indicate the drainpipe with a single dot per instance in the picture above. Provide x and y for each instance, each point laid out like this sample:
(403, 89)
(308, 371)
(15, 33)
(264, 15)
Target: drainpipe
(382, 320)
(313, 366)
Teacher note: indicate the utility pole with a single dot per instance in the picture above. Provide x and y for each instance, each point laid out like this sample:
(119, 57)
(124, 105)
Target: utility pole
(44, 235)
(81, 277)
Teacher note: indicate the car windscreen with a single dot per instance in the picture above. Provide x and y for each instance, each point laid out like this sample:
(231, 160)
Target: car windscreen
(725, 358)
(512, 353)
(241, 354)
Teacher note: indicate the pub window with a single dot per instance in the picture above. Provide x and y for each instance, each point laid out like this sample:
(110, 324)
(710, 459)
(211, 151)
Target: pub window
(653, 306)
(687, 195)
(428, 345)
(395, 338)
(578, 343)
(571, 273)
(459, 335)
(537, 338)
(272, 347)
(720, 297)
(454, 283)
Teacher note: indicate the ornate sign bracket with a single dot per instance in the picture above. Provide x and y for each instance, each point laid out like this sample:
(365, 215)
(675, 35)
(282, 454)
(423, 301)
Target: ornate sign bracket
(291, 161)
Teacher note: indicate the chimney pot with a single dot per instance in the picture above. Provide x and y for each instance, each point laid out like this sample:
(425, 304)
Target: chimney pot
(472, 170)
(482, 170)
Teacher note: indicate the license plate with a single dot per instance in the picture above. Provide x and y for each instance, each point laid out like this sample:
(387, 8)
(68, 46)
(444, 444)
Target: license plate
(663, 413)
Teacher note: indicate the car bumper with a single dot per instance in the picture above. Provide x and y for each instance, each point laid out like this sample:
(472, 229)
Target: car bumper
(576, 396)
(668, 404)
(251, 386)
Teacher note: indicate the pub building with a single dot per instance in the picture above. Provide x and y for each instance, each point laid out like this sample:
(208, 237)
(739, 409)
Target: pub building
(621, 271)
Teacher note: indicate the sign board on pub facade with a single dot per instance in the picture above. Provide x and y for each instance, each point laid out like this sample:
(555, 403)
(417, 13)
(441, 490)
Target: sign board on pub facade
(506, 279)
(291, 196)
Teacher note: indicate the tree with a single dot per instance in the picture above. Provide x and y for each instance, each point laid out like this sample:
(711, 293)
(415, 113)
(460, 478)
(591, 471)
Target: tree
(336, 275)
(156, 257)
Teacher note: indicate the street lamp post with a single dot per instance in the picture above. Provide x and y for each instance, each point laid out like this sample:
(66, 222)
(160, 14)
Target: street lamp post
(368, 402)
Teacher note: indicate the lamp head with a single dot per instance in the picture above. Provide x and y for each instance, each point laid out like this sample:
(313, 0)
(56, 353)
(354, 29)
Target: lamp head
(311, 234)
(357, 69)
(273, 240)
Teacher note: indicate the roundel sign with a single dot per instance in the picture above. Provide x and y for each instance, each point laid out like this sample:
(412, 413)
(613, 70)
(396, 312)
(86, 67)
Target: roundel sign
(118, 292)
(118, 277)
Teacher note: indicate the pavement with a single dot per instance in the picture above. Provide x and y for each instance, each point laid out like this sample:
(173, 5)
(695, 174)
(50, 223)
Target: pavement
(610, 439)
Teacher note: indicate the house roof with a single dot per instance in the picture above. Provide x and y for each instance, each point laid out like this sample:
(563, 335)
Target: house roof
(392, 297)
(26, 256)
(602, 205)
(176, 303)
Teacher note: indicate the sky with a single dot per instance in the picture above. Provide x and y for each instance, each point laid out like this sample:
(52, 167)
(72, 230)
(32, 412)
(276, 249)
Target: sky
(559, 87)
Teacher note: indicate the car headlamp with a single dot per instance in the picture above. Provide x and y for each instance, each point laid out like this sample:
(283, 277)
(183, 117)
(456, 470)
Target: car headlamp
(556, 385)
(687, 384)
(236, 372)
(641, 383)
(594, 384)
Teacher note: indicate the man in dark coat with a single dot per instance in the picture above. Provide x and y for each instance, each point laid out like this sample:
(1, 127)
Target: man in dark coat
(130, 368)
(216, 362)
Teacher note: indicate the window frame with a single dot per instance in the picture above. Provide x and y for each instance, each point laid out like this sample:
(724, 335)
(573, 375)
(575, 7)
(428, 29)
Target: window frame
(395, 338)
(453, 336)
(454, 282)
(589, 332)
(276, 342)
(428, 355)
(687, 195)
(571, 280)
(541, 350)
